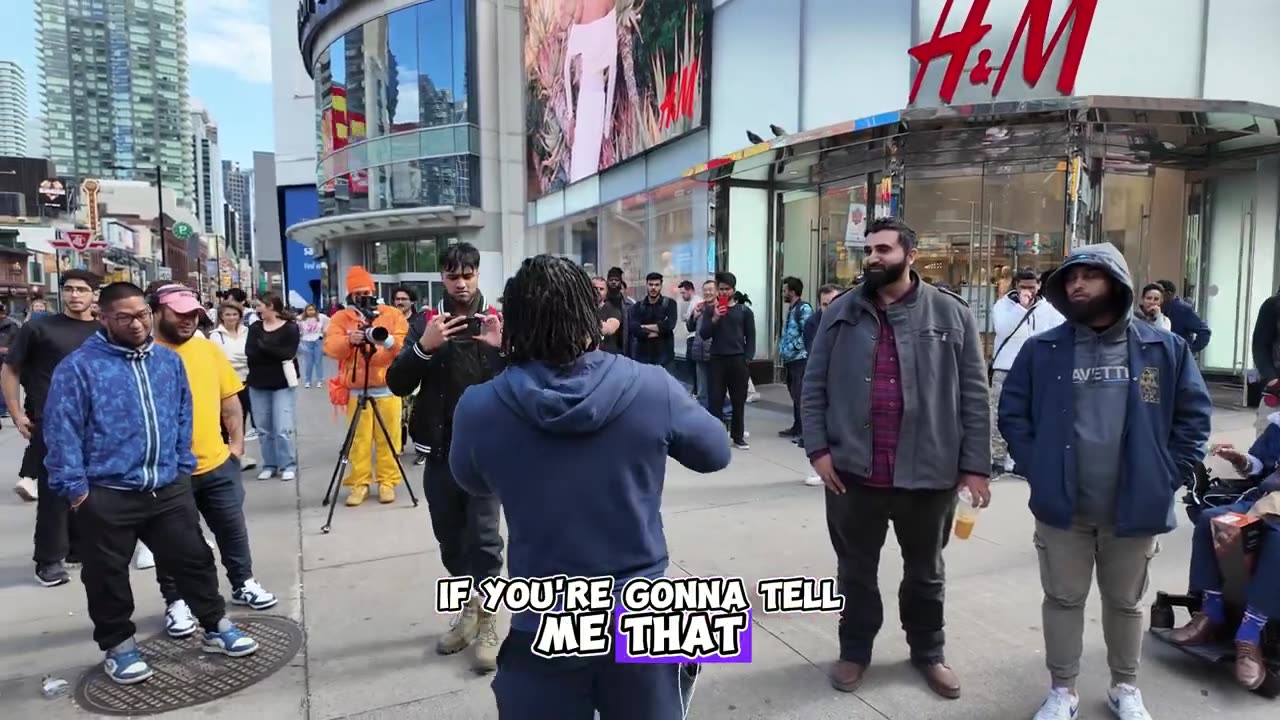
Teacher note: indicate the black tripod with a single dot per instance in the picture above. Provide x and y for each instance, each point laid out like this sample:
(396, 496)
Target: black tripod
(344, 455)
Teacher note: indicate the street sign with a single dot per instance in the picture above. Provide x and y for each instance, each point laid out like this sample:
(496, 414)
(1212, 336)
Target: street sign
(78, 240)
(164, 273)
(182, 230)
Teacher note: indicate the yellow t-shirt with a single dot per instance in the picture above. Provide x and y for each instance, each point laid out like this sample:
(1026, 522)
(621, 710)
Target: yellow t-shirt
(212, 380)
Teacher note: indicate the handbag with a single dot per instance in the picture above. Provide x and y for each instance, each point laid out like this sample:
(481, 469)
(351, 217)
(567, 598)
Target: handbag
(991, 367)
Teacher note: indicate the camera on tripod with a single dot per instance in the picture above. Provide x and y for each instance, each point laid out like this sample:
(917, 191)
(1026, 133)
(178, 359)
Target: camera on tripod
(367, 306)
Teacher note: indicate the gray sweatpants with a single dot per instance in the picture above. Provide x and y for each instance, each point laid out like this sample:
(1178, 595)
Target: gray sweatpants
(1067, 560)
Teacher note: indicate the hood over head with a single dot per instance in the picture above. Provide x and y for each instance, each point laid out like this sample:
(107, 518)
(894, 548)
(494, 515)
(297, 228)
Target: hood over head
(578, 400)
(1102, 255)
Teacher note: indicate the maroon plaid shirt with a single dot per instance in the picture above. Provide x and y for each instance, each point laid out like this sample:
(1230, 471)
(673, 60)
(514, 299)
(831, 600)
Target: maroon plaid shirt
(886, 405)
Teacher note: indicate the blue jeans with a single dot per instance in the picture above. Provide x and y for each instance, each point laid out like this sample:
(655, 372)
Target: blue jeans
(1263, 592)
(703, 370)
(220, 500)
(273, 413)
(312, 354)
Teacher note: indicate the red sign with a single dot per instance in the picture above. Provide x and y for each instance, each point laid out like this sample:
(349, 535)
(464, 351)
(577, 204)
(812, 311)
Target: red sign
(78, 240)
(956, 46)
(678, 101)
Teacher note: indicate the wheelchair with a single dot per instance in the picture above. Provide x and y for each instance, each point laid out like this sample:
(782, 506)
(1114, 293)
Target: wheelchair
(1205, 492)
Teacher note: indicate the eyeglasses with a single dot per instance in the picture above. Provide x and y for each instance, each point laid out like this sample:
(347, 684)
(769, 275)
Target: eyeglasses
(76, 290)
(143, 318)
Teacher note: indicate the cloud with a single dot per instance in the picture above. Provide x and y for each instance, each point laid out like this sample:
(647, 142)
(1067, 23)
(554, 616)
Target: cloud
(231, 35)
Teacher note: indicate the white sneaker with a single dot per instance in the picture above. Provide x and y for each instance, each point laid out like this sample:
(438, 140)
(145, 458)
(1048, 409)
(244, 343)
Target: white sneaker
(27, 489)
(753, 397)
(1062, 704)
(250, 434)
(253, 595)
(142, 558)
(248, 462)
(267, 474)
(1125, 702)
(813, 481)
(178, 620)
(308, 386)
(289, 475)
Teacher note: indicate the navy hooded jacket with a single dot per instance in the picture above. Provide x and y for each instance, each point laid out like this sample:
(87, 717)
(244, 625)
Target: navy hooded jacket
(578, 459)
(1166, 422)
(118, 418)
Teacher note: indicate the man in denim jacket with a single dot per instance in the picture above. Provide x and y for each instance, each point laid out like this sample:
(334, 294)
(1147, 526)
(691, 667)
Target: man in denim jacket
(1105, 418)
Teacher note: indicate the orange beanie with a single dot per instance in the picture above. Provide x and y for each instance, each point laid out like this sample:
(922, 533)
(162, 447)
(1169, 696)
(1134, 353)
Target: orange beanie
(359, 279)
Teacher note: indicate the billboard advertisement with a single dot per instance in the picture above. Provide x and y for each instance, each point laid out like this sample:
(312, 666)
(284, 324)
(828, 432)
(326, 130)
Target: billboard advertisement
(606, 80)
(302, 270)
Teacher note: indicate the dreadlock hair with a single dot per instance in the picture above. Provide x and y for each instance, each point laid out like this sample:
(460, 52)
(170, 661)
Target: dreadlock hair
(550, 315)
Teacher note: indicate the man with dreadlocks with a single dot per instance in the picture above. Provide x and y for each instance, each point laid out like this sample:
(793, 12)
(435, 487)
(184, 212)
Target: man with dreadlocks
(442, 357)
(563, 407)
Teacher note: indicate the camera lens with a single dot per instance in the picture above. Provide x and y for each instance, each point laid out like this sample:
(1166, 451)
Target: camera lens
(377, 335)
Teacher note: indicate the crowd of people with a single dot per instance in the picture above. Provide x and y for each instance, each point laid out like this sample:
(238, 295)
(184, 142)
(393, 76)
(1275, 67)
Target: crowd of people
(137, 420)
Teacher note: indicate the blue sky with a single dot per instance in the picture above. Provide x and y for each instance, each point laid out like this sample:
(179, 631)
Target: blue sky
(229, 48)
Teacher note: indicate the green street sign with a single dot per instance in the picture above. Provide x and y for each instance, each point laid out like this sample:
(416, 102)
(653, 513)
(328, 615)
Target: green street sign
(182, 230)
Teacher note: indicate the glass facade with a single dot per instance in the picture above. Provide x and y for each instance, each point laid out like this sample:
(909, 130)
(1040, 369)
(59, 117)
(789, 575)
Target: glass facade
(396, 112)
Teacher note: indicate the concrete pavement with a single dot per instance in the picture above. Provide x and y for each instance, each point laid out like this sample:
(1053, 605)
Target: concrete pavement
(365, 595)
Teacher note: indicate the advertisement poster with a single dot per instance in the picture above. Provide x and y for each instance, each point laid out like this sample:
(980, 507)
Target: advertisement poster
(606, 80)
(855, 229)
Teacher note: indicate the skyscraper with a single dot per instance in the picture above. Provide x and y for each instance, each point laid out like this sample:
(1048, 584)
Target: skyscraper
(237, 187)
(206, 168)
(13, 110)
(114, 84)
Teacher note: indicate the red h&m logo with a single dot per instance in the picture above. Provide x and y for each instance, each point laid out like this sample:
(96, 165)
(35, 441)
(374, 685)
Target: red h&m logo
(678, 101)
(1034, 22)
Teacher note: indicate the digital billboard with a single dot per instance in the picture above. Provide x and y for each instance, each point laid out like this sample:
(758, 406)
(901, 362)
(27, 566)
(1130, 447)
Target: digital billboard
(606, 80)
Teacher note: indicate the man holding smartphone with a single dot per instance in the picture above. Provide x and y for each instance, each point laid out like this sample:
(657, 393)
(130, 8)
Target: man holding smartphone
(732, 332)
(449, 349)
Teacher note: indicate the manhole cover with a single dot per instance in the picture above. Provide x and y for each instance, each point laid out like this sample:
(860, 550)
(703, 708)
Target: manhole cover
(185, 675)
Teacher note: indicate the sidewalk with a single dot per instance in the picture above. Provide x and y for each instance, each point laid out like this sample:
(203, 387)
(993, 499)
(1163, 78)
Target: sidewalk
(365, 594)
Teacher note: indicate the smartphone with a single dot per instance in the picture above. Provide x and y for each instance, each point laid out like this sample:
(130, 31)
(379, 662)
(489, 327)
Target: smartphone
(475, 325)
(722, 301)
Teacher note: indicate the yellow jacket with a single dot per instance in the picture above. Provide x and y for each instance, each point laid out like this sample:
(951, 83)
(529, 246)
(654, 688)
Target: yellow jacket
(336, 346)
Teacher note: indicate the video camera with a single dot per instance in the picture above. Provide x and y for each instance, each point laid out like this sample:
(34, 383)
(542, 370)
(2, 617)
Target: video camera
(367, 306)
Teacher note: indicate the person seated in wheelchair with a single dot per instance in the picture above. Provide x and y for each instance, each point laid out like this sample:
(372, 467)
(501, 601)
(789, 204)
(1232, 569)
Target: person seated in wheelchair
(1262, 597)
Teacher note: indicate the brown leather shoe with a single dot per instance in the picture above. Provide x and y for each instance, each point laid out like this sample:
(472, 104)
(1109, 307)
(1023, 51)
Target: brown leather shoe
(1199, 631)
(942, 680)
(847, 676)
(1251, 671)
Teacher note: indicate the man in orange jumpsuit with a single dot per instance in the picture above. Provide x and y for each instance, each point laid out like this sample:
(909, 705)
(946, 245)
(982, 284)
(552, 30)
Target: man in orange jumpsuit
(348, 342)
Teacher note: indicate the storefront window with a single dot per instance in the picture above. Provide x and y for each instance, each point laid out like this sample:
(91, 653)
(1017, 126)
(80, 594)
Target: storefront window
(393, 257)
(679, 222)
(583, 242)
(625, 238)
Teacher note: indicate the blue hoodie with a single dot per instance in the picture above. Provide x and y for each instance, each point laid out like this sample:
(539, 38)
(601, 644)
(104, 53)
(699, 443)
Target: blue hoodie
(1158, 440)
(578, 459)
(118, 418)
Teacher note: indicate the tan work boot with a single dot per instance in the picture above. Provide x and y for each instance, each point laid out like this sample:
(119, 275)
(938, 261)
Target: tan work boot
(487, 643)
(386, 493)
(465, 627)
(357, 495)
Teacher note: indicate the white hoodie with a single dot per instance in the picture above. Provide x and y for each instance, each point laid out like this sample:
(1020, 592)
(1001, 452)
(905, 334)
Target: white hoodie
(1005, 316)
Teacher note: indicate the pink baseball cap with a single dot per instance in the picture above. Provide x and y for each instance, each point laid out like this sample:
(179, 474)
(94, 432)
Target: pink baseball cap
(179, 298)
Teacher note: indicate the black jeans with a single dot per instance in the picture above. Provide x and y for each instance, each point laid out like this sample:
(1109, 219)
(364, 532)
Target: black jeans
(219, 497)
(55, 536)
(529, 687)
(111, 523)
(465, 525)
(858, 522)
(729, 373)
(795, 377)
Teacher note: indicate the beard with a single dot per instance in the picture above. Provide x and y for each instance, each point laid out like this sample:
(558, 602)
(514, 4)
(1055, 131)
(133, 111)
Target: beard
(879, 276)
(614, 296)
(1088, 312)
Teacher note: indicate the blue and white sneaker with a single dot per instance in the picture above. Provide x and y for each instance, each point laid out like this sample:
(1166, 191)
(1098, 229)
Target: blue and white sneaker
(178, 620)
(1062, 704)
(1126, 703)
(253, 595)
(232, 643)
(127, 667)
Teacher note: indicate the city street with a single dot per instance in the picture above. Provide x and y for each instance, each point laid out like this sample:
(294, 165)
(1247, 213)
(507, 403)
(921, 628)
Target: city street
(365, 596)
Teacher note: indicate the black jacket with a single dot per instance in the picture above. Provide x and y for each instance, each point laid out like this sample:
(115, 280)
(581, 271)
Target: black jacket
(439, 379)
(658, 350)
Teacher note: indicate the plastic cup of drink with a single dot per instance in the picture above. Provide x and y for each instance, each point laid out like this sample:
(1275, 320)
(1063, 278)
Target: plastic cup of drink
(966, 514)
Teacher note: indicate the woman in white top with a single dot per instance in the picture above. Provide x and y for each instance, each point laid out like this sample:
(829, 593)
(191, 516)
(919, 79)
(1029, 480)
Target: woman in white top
(311, 349)
(230, 335)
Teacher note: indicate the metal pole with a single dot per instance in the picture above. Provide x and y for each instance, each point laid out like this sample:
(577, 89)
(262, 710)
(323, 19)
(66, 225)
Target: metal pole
(164, 255)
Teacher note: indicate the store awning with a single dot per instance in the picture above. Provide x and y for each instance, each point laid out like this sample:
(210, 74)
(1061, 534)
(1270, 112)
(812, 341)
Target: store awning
(1178, 131)
(376, 224)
